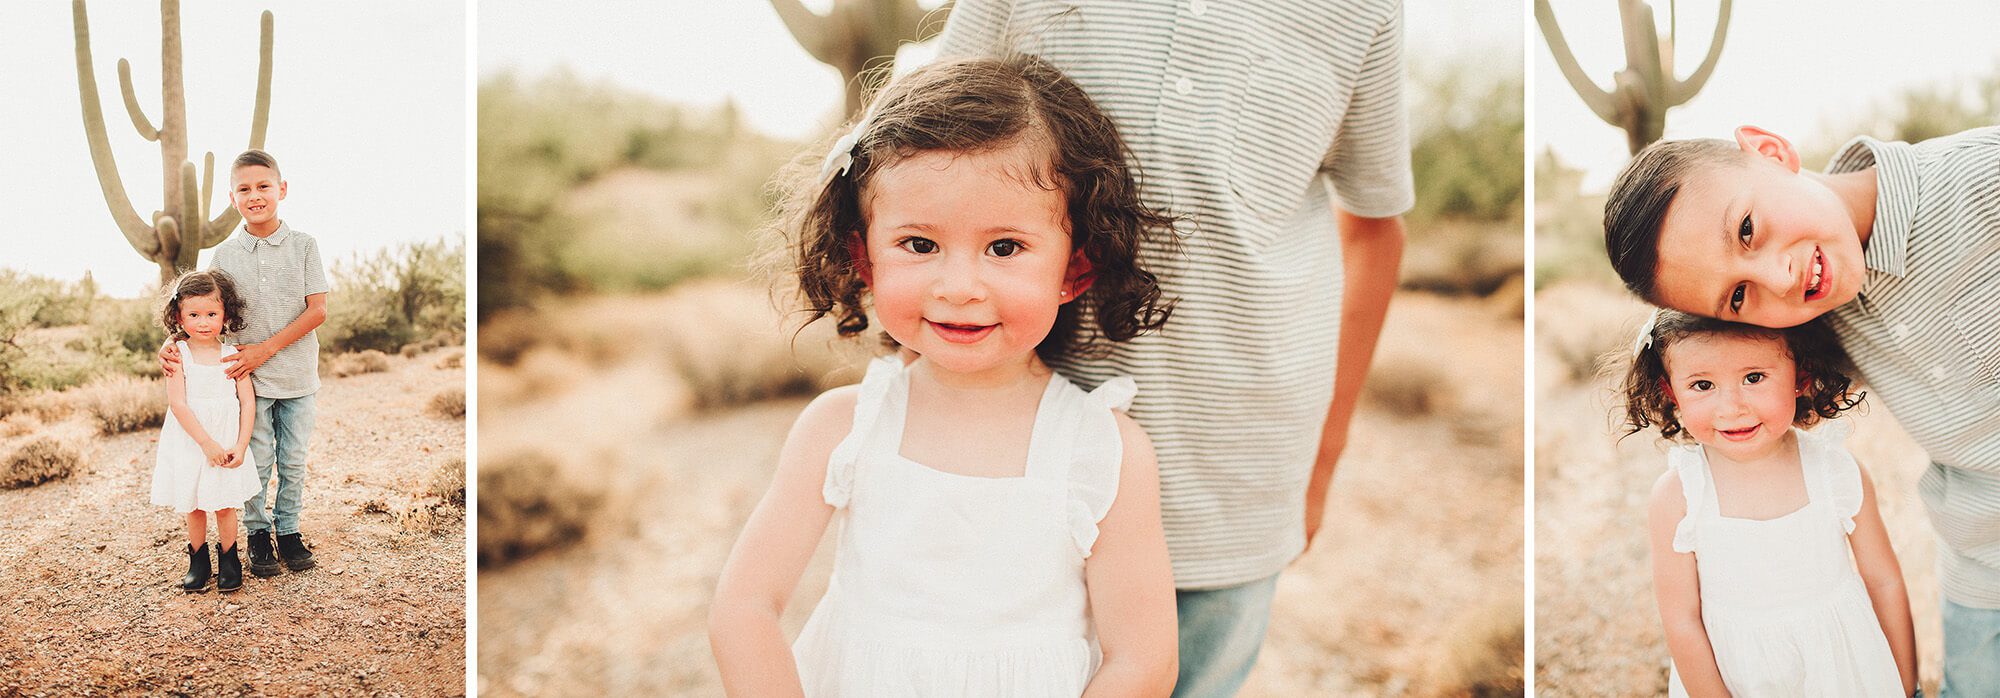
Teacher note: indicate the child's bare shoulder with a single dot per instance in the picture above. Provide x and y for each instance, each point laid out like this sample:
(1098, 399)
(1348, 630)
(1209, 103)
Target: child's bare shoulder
(828, 418)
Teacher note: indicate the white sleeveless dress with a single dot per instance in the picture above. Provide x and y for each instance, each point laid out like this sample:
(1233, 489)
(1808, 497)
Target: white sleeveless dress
(182, 477)
(1784, 608)
(952, 585)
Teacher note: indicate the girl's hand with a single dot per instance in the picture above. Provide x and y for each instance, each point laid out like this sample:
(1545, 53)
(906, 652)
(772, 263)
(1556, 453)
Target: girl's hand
(233, 457)
(214, 452)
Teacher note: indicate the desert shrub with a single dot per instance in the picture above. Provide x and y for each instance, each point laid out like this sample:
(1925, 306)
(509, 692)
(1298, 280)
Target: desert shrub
(447, 481)
(118, 404)
(449, 403)
(1407, 386)
(1466, 142)
(452, 359)
(411, 350)
(1481, 654)
(729, 347)
(357, 363)
(38, 459)
(1584, 325)
(397, 296)
(528, 502)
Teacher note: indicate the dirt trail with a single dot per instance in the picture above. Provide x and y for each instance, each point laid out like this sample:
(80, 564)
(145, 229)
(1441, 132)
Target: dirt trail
(89, 568)
(1416, 572)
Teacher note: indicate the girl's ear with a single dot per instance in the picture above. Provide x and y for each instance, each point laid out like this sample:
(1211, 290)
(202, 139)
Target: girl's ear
(1760, 142)
(857, 249)
(1805, 381)
(1667, 389)
(1078, 278)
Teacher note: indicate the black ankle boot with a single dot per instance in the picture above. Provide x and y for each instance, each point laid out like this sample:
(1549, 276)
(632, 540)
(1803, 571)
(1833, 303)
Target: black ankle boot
(293, 551)
(263, 560)
(197, 576)
(229, 569)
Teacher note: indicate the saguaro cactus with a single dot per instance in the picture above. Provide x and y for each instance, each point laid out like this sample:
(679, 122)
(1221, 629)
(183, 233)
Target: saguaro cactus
(1641, 94)
(855, 32)
(174, 237)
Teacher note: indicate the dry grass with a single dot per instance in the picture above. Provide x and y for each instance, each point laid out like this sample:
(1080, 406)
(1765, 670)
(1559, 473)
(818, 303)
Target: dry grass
(411, 350)
(530, 501)
(1596, 624)
(447, 482)
(119, 403)
(1407, 386)
(357, 363)
(1480, 655)
(37, 458)
(449, 403)
(451, 359)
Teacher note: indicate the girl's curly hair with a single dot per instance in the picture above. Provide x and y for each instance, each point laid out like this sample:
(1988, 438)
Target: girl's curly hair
(201, 283)
(970, 106)
(1812, 346)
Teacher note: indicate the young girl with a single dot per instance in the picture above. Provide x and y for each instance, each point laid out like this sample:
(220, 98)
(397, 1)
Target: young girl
(1000, 530)
(203, 463)
(1752, 524)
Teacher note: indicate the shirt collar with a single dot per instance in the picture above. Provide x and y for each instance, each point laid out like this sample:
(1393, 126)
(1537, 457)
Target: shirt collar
(1896, 190)
(276, 238)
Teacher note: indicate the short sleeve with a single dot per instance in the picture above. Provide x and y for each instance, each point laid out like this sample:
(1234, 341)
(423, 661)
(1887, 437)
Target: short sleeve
(1370, 158)
(1686, 462)
(1099, 453)
(1842, 474)
(975, 29)
(845, 459)
(314, 272)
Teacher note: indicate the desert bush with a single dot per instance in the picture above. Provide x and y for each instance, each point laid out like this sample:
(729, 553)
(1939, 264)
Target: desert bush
(530, 501)
(397, 296)
(1462, 258)
(1481, 654)
(449, 403)
(118, 404)
(1407, 386)
(39, 458)
(411, 350)
(730, 347)
(369, 361)
(447, 481)
(451, 359)
(1584, 325)
(1466, 142)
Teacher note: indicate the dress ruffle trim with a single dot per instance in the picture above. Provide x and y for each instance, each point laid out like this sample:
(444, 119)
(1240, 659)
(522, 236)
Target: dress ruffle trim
(1688, 464)
(1842, 474)
(1094, 470)
(883, 374)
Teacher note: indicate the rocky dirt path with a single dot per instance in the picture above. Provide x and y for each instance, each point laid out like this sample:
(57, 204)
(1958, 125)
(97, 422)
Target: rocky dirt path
(89, 568)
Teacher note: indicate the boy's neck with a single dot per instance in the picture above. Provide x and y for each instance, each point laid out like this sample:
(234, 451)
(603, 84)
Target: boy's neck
(263, 230)
(1856, 191)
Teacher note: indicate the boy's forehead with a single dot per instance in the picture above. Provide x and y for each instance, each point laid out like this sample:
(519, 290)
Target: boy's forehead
(252, 173)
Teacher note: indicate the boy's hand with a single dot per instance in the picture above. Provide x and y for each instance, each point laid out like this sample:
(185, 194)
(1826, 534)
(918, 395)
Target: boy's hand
(214, 452)
(246, 359)
(170, 359)
(233, 457)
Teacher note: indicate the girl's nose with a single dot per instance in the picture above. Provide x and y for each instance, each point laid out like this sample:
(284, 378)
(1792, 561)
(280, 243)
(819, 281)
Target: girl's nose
(958, 281)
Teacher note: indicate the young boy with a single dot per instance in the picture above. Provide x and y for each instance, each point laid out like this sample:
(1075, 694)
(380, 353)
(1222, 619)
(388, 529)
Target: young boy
(278, 271)
(1896, 247)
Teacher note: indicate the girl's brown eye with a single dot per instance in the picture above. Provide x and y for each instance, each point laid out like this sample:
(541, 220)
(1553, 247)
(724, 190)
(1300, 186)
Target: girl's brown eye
(1005, 248)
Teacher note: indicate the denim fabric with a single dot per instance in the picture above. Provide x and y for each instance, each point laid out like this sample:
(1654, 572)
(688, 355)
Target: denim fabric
(1221, 631)
(1971, 652)
(283, 427)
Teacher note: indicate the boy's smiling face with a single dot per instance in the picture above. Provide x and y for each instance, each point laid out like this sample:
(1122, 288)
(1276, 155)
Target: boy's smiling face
(1757, 242)
(255, 191)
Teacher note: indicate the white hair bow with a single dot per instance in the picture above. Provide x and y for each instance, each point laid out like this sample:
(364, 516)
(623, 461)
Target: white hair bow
(841, 157)
(1645, 339)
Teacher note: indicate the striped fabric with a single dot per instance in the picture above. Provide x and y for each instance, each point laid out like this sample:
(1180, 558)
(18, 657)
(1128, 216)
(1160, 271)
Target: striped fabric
(275, 274)
(1925, 332)
(1250, 119)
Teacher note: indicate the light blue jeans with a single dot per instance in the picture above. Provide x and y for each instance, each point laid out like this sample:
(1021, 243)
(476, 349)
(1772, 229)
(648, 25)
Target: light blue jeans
(1221, 631)
(1971, 652)
(278, 441)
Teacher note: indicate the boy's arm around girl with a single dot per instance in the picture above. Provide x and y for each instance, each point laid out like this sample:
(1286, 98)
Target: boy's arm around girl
(1128, 572)
(1676, 587)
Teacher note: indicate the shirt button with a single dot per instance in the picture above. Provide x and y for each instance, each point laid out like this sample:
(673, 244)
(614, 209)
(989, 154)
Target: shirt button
(1198, 8)
(1901, 332)
(1184, 86)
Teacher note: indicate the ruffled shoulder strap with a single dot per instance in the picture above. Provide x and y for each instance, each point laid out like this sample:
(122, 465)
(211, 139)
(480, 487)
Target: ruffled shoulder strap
(883, 375)
(1691, 467)
(1824, 452)
(1098, 453)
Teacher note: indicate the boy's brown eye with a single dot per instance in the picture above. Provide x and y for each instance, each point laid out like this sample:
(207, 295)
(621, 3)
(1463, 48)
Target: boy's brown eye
(1744, 231)
(1736, 300)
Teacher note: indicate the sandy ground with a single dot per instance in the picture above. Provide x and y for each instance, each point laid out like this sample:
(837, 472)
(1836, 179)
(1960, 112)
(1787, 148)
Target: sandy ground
(1414, 584)
(89, 569)
(1597, 627)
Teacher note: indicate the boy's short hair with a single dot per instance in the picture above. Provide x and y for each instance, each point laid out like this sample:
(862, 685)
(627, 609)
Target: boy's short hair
(1638, 202)
(257, 158)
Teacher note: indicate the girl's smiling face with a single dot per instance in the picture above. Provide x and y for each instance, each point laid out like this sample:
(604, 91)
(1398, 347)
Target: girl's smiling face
(202, 316)
(1736, 394)
(967, 258)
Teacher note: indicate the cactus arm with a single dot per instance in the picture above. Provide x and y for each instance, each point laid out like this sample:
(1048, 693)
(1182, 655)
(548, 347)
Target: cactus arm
(261, 118)
(189, 254)
(1680, 91)
(1595, 97)
(207, 187)
(214, 234)
(142, 236)
(139, 120)
(809, 29)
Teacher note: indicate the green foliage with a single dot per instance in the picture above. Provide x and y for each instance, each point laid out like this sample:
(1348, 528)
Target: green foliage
(540, 139)
(398, 296)
(1466, 134)
(1914, 114)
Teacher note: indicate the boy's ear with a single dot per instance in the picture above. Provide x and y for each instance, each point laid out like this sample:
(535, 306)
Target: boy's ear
(282, 186)
(1078, 278)
(857, 249)
(1760, 142)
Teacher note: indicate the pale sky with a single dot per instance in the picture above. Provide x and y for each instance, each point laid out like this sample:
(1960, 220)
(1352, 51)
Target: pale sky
(368, 122)
(701, 51)
(1799, 69)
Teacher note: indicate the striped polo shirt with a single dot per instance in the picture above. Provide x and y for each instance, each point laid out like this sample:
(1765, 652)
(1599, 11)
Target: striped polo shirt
(1925, 333)
(1251, 119)
(274, 274)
